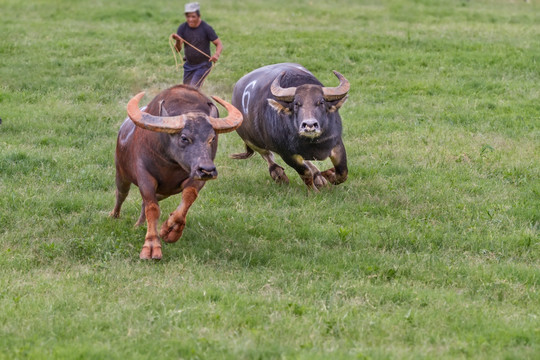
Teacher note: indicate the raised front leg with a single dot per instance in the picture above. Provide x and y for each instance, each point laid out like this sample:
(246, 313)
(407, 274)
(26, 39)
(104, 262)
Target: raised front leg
(172, 228)
(339, 172)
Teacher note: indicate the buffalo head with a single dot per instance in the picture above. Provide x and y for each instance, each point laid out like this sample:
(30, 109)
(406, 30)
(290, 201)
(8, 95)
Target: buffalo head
(308, 104)
(189, 138)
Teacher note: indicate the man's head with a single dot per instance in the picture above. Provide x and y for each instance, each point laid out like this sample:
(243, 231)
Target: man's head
(193, 14)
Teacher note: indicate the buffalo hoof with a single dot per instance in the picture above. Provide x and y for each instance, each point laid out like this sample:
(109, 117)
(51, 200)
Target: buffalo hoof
(151, 249)
(278, 174)
(334, 178)
(150, 252)
(114, 214)
(171, 234)
(330, 176)
(308, 180)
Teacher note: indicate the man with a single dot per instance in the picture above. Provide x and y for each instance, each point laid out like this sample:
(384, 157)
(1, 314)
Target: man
(199, 34)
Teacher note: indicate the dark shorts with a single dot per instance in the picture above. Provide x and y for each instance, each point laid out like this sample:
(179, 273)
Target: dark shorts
(194, 73)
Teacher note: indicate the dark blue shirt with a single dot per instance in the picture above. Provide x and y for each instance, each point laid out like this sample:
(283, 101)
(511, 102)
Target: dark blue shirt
(200, 37)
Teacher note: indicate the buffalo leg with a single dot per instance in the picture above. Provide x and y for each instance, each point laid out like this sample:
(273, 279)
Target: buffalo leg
(242, 156)
(152, 245)
(297, 163)
(122, 191)
(142, 217)
(318, 179)
(339, 172)
(172, 228)
(276, 172)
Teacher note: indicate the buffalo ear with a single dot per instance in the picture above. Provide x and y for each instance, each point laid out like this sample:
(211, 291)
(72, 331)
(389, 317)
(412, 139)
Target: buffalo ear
(278, 107)
(335, 105)
(214, 112)
(162, 110)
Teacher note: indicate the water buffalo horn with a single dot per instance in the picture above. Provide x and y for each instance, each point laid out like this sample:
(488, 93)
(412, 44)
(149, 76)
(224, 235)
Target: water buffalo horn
(171, 125)
(336, 93)
(282, 94)
(231, 122)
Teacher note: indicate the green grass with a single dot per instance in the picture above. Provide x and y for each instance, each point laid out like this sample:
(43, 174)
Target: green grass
(431, 249)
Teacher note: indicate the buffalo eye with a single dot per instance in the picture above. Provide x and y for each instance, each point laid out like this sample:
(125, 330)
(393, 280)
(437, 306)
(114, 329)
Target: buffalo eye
(320, 102)
(297, 104)
(212, 140)
(184, 139)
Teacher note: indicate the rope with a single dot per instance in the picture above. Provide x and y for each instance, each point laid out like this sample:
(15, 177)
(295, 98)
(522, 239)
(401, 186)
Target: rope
(172, 44)
(174, 52)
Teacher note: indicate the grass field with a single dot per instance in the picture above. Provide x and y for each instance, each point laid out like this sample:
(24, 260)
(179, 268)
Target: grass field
(431, 249)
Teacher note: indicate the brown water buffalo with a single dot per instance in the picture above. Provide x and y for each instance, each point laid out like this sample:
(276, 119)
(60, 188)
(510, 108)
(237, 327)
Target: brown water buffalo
(288, 111)
(166, 149)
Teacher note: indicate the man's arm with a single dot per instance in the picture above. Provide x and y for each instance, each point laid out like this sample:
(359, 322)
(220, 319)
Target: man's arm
(179, 42)
(219, 49)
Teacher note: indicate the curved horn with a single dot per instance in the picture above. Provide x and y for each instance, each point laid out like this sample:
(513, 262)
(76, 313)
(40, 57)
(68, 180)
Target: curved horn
(231, 122)
(336, 93)
(171, 124)
(283, 94)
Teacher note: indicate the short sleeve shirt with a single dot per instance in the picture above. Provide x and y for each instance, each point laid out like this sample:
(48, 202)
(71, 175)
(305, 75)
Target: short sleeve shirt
(199, 37)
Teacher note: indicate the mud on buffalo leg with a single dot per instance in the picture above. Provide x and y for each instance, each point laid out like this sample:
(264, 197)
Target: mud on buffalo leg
(339, 172)
(152, 245)
(172, 228)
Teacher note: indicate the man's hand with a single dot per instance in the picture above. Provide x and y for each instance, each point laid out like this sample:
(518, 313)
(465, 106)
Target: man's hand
(178, 45)
(219, 49)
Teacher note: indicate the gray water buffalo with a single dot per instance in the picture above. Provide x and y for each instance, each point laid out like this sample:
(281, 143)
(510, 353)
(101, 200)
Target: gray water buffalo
(166, 149)
(288, 111)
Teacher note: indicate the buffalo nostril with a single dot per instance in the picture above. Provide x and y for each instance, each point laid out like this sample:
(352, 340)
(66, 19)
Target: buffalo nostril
(310, 125)
(207, 170)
